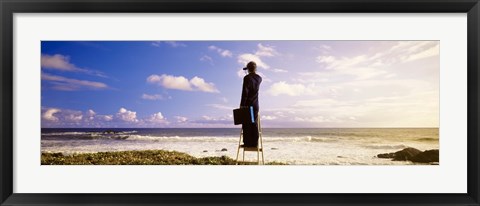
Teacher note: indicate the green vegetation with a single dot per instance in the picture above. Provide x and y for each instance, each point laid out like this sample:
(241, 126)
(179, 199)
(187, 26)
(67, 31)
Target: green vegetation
(145, 157)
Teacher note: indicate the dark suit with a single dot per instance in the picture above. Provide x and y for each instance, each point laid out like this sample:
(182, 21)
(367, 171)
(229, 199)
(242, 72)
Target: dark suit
(251, 85)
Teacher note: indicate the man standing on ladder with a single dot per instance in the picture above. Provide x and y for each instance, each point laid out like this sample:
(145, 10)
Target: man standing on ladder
(251, 85)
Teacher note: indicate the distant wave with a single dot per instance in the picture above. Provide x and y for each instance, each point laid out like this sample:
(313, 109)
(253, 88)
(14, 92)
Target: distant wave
(131, 136)
(86, 133)
(401, 146)
(181, 139)
(226, 139)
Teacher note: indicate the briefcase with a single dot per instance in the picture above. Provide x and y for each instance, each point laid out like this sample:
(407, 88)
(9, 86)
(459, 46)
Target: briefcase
(243, 115)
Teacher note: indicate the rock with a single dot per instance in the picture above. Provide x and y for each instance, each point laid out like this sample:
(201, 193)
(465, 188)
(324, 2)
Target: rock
(386, 155)
(406, 154)
(340, 157)
(109, 132)
(224, 150)
(427, 156)
(274, 148)
(205, 150)
(402, 155)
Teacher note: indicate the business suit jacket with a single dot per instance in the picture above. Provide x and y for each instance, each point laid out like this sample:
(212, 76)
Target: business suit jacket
(251, 85)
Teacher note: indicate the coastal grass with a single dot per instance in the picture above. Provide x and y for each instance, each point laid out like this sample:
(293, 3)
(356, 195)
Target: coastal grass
(144, 157)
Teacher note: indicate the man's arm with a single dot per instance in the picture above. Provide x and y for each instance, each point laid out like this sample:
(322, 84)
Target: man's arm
(243, 101)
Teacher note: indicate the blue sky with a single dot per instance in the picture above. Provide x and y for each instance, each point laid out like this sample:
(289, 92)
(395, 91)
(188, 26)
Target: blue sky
(198, 83)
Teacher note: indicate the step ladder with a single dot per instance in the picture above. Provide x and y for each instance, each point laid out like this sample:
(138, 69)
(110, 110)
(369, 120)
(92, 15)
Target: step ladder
(258, 148)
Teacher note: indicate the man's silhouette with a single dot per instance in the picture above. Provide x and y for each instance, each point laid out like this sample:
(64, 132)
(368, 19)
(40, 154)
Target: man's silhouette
(251, 85)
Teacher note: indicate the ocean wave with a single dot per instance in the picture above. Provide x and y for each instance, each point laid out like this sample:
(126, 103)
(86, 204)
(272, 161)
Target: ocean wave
(131, 136)
(88, 133)
(400, 146)
(181, 139)
(227, 139)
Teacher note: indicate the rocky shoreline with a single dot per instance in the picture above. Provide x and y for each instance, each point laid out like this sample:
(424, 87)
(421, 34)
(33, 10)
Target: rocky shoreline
(144, 157)
(413, 155)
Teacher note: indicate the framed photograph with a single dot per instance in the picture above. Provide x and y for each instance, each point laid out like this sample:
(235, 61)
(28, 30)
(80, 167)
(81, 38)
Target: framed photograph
(265, 102)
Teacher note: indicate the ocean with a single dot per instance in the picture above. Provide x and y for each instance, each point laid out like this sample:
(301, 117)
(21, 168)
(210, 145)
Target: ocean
(298, 146)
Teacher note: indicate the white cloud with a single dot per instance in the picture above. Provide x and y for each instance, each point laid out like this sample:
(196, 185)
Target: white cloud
(91, 113)
(326, 59)
(203, 86)
(126, 115)
(378, 64)
(309, 77)
(279, 70)
(58, 62)
(268, 51)
(67, 84)
(152, 96)
(107, 117)
(221, 52)
(314, 119)
(93, 116)
(343, 63)
(243, 59)
(221, 106)
(55, 117)
(157, 118)
(405, 51)
(324, 49)
(170, 82)
(173, 44)
(205, 117)
(263, 51)
(210, 121)
(74, 117)
(206, 58)
(62, 63)
(381, 110)
(268, 117)
(432, 51)
(49, 114)
(318, 103)
(182, 83)
(181, 119)
(282, 87)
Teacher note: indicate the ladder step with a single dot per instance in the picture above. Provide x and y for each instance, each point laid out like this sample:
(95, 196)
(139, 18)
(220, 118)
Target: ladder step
(251, 148)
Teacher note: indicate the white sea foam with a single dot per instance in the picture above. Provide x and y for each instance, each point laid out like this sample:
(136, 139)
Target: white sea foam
(401, 146)
(85, 133)
(227, 139)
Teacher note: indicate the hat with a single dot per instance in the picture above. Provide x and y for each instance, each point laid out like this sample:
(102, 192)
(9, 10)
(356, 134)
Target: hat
(250, 64)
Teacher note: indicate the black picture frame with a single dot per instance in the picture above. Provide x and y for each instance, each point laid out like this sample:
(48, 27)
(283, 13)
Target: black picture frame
(10, 7)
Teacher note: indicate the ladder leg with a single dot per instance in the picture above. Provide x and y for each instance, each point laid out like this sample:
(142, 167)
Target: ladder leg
(258, 157)
(239, 143)
(238, 151)
(243, 154)
(261, 138)
(263, 160)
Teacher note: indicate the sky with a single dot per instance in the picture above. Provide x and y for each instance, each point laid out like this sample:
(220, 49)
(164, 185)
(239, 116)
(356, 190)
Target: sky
(197, 84)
